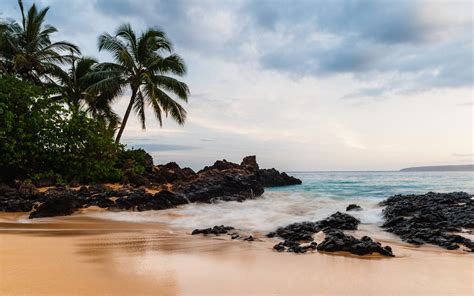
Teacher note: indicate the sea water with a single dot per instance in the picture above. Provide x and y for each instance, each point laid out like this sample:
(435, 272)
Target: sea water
(320, 195)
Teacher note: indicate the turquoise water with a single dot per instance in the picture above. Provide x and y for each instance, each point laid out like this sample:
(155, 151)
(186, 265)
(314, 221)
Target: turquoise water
(378, 184)
(320, 195)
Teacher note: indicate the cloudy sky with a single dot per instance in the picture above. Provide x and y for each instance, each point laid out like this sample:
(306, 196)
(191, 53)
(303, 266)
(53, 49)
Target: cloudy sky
(304, 85)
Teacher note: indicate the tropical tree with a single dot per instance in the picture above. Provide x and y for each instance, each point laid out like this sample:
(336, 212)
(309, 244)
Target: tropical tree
(26, 49)
(143, 65)
(73, 85)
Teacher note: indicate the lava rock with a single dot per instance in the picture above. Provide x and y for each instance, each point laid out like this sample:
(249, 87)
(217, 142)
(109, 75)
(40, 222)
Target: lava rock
(339, 220)
(61, 203)
(216, 230)
(431, 218)
(273, 178)
(136, 180)
(221, 165)
(250, 163)
(214, 185)
(353, 207)
(336, 240)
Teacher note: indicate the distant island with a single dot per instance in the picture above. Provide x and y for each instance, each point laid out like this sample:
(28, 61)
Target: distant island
(441, 168)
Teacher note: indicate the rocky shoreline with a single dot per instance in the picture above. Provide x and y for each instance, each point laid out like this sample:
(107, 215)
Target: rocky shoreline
(223, 181)
(432, 218)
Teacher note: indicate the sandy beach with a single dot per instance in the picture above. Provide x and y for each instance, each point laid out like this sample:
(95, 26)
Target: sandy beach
(79, 255)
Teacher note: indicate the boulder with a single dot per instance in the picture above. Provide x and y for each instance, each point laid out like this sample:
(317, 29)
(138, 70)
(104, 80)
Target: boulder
(273, 178)
(336, 240)
(353, 207)
(60, 203)
(339, 220)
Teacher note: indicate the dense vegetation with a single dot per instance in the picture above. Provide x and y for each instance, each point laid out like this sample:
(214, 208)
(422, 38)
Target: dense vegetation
(57, 124)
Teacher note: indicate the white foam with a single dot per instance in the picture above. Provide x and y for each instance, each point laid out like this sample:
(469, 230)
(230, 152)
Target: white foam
(272, 210)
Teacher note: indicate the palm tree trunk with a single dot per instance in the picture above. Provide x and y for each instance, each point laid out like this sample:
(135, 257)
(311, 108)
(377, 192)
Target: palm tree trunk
(125, 118)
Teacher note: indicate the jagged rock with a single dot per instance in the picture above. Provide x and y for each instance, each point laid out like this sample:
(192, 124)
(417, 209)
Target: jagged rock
(221, 165)
(250, 163)
(430, 218)
(273, 178)
(339, 220)
(216, 230)
(169, 173)
(336, 240)
(214, 185)
(11, 200)
(58, 203)
(136, 180)
(353, 207)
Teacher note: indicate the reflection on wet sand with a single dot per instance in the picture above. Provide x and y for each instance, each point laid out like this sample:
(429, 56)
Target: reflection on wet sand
(84, 256)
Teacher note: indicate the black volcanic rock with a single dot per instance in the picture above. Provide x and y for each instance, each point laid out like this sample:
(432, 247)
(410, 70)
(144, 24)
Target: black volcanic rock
(250, 163)
(273, 178)
(339, 220)
(226, 185)
(432, 218)
(336, 240)
(14, 200)
(58, 203)
(353, 207)
(216, 230)
(221, 165)
(169, 173)
(298, 237)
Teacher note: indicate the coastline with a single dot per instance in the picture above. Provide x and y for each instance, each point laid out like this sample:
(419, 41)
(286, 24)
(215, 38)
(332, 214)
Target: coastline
(80, 255)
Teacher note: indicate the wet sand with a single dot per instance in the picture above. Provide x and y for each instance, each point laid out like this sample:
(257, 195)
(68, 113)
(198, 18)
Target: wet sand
(79, 255)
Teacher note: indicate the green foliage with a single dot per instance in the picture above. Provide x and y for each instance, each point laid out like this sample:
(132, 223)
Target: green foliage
(40, 138)
(134, 160)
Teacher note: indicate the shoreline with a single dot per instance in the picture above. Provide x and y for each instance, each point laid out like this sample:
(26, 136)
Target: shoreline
(81, 255)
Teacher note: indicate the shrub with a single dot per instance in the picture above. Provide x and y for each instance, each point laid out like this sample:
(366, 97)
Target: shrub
(41, 138)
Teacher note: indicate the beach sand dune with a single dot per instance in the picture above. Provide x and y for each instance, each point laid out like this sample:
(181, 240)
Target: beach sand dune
(84, 256)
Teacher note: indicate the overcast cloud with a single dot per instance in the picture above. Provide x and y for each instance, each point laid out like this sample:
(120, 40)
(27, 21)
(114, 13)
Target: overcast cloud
(305, 85)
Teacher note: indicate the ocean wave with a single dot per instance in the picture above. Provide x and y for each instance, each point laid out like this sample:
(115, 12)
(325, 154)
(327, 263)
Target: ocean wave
(266, 213)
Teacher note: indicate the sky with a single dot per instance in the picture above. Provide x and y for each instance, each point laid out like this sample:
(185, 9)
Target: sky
(304, 85)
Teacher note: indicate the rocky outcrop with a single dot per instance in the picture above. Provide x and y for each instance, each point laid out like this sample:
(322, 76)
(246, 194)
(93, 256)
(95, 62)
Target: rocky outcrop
(298, 237)
(216, 230)
(353, 207)
(273, 178)
(432, 218)
(57, 203)
(170, 173)
(267, 177)
(337, 241)
(220, 185)
(223, 181)
(18, 200)
(221, 165)
(250, 163)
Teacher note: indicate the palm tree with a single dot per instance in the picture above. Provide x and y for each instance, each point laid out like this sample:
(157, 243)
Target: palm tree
(27, 50)
(73, 86)
(141, 65)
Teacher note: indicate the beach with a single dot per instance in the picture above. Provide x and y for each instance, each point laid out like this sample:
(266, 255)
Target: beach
(81, 255)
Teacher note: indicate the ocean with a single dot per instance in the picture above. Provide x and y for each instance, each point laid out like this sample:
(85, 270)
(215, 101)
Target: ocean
(320, 195)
